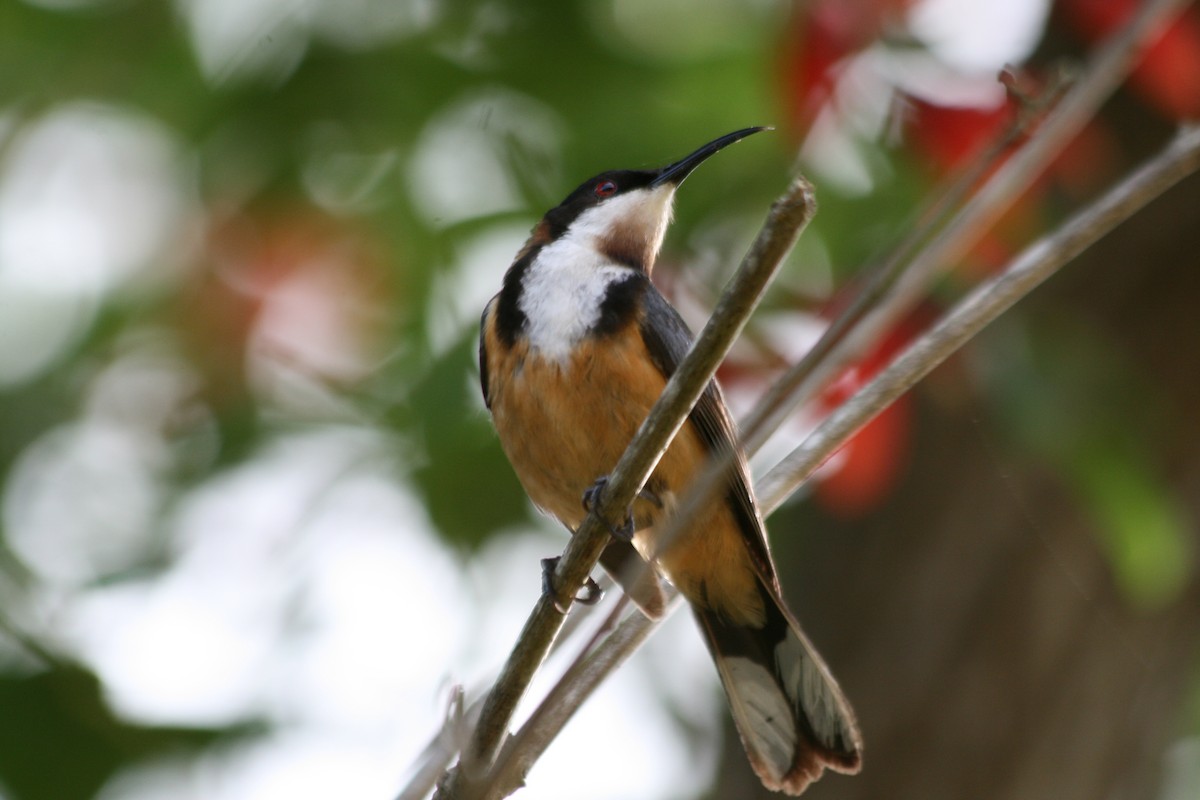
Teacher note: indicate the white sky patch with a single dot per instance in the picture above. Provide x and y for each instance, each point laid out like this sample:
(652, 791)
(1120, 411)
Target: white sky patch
(108, 475)
(383, 625)
(384, 606)
(308, 588)
(458, 176)
(834, 147)
(656, 757)
(916, 73)
(110, 463)
(91, 199)
(267, 39)
(168, 654)
(343, 178)
(89, 196)
(461, 168)
(461, 289)
(979, 35)
(968, 41)
(504, 580)
(684, 674)
(37, 327)
(299, 765)
(301, 584)
(353, 24)
(264, 39)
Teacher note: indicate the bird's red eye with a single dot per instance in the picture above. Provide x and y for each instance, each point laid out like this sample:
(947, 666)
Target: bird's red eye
(605, 188)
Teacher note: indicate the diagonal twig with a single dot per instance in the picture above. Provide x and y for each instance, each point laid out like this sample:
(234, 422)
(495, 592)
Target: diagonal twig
(786, 219)
(1107, 69)
(1104, 73)
(800, 383)
(976, 310)
(839, 346)
(982, 305)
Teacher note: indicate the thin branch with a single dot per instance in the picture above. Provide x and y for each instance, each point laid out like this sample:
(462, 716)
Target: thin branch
(782, 395)
(442, 748)
(1105, 73)
(787, 218)
(840, 345)
(590, 669)
(975, 311)
(830, 355)
(445, 745)
(986, 302)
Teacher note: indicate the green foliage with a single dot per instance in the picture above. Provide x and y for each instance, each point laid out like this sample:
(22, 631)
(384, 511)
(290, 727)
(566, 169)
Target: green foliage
(1143, 528)
(61, 741)
(300, 148)
(1073, 398)
(310, 129)
(463, 464)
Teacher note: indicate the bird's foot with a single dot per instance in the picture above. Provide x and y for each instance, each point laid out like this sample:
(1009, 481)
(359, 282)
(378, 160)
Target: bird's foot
(592, 593)
(624, 531)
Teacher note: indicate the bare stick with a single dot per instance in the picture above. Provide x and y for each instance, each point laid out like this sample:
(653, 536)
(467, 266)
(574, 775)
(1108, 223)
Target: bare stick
(1026, 272)
(440, 751)
(582, 678)
(446, 743)
(783, 393)
(442, 748)
(811, 373)
(786, 219)
(1107, 69)
(840, 345)
(986, 302)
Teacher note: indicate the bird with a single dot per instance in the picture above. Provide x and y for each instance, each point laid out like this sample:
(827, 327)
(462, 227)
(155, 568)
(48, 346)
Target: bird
(574, 350)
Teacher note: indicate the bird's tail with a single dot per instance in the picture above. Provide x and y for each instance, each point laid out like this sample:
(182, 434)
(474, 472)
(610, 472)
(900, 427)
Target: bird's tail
(790, 713)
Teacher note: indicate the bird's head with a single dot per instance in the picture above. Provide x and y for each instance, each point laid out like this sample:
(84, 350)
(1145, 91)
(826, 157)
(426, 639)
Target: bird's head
(623, 214)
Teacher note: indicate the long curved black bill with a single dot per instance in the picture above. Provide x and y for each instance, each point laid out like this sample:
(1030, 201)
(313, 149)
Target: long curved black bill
(675, 173)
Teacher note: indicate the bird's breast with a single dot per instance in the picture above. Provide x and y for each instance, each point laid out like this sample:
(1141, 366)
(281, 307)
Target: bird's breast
(565, 421)
(563, 294)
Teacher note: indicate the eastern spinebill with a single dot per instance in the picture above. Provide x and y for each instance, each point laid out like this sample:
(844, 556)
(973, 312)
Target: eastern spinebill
(575, 349)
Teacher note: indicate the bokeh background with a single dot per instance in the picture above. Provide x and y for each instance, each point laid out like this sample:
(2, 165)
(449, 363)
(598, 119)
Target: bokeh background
(254, 523)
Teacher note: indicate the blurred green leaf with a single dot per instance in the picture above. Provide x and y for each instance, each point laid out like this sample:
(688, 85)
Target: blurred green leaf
(59, 740)
(1142, 527)
(1073, 398)
(469, 487)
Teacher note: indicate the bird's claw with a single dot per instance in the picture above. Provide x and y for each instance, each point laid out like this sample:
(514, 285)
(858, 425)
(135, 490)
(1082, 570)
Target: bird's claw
(592, 593)
(624, 531)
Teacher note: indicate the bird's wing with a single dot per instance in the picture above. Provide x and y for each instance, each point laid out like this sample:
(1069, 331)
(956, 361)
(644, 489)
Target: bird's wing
(483, 359)
(668, 339)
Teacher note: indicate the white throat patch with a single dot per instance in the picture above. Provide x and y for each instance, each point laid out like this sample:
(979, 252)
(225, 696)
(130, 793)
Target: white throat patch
(562, 293)
(563, 290)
